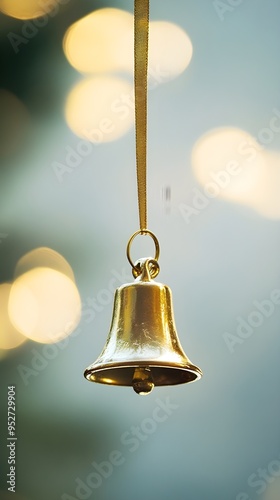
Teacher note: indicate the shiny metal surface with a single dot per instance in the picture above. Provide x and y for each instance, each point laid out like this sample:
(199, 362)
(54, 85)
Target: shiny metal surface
(143, 349)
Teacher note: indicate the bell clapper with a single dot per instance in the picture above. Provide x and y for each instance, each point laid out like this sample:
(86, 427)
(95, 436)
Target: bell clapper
(142, 382)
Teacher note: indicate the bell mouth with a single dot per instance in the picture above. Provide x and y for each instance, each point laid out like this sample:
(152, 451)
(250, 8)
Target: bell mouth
(161, 374)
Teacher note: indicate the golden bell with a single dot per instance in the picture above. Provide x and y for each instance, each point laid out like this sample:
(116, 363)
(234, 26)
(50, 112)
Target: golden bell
(143, 349)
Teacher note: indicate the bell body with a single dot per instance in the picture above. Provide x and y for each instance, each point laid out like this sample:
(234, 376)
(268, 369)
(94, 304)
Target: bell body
(143, 344)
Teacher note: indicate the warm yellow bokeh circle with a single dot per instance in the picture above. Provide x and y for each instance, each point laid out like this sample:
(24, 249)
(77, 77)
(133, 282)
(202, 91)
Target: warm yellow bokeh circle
(101, 42)
(100, 109)
(43, 257)
(10, 337)
(30, 9)
(231, 159)
(229, 163)
(44, 305)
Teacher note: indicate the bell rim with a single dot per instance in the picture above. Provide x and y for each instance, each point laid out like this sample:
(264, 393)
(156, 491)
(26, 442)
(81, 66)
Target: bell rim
(151, 364)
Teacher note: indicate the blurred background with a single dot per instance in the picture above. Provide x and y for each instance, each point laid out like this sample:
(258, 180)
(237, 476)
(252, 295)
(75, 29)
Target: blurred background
(68, 207)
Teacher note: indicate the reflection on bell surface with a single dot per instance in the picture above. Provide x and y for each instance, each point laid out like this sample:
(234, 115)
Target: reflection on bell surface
(143, 349)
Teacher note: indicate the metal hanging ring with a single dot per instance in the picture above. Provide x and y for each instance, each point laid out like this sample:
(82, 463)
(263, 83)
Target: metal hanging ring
(143, 232)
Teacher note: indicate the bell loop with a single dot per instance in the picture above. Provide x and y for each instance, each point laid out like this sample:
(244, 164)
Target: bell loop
(146, 269)
(136, 271)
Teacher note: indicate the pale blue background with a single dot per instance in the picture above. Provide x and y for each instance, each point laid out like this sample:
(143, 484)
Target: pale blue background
(226, 426)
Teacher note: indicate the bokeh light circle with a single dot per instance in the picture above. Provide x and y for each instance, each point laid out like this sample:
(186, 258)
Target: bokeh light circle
(43, 257)
(100, 109)
(230, 163)
(10, 337)
(101, 42)
(170, 50)
(231, 159)
(28, 9)
(267, 203)
(44, 305)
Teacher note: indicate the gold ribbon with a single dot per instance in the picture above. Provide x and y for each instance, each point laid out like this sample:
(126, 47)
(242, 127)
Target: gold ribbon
(141, 44)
